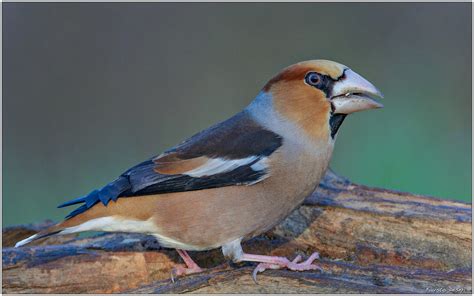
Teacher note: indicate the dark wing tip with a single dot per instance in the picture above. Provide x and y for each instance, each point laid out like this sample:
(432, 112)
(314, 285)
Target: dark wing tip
(77, 211)
(109, 192)
(72, 202)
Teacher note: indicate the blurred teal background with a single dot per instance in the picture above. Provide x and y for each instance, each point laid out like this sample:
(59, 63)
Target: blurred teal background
(91, 89)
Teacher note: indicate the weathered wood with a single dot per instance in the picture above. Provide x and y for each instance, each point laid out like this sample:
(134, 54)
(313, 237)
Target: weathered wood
(370, 240)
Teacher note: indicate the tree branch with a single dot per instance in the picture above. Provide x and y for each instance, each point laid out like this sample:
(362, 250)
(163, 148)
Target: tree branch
(370, 240)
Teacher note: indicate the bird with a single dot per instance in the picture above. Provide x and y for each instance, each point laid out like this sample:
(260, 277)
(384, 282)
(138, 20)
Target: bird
(236, 179)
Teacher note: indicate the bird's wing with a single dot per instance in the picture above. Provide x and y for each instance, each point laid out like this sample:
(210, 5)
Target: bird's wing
(233, 152)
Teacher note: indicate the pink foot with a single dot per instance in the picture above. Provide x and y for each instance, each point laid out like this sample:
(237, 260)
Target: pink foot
(271, 262)
(190, 268)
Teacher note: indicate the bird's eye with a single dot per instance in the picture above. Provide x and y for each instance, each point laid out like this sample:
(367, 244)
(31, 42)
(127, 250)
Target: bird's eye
(313, 79)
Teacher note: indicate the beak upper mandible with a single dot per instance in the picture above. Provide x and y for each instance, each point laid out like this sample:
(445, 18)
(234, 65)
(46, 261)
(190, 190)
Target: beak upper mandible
(354, 93)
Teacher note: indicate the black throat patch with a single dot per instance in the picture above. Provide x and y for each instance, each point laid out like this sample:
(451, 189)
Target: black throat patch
(335, 122)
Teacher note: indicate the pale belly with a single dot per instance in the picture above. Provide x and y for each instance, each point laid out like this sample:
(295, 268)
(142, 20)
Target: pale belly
(208, 219)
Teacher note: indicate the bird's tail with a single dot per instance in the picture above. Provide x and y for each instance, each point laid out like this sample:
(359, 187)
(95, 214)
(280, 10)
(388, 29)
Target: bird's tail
(64, 227)
(76, 221)
(42, 234)
(81, 222)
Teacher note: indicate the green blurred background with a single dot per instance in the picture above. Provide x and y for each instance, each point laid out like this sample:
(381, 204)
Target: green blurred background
(92, 89)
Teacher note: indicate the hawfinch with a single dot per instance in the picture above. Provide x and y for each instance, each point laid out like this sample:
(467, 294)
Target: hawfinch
(236, 179)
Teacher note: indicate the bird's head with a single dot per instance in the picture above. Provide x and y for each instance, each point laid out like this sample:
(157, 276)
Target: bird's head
(318, 94)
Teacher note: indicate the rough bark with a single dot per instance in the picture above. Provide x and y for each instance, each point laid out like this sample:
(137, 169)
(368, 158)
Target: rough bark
(370, 240)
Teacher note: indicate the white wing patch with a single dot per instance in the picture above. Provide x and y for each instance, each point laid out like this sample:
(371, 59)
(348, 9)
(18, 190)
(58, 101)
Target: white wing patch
(260, 165)
(216, 166)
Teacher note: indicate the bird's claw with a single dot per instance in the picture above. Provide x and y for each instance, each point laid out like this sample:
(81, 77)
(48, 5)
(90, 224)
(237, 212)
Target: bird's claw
(291, 265)
(180, 270)
(261, 267)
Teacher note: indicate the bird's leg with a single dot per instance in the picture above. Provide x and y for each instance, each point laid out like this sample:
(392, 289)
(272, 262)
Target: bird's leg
(191, 266)
(234, 251)
(274, 262)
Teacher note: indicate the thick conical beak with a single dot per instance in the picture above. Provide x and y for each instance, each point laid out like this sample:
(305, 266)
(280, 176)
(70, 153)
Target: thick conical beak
(353, 93)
